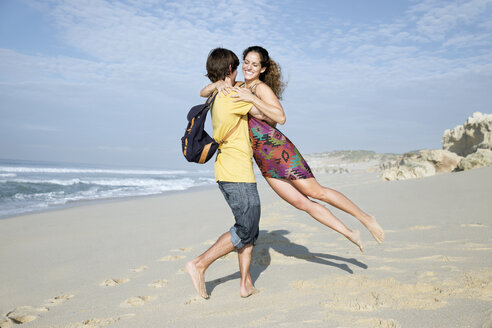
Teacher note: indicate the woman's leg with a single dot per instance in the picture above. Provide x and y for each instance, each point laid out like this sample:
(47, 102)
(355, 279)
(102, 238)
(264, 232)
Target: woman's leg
(291, 195)
(311, 188)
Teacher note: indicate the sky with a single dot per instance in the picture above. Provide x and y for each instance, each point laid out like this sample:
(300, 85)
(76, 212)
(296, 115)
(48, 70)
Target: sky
(110, 82)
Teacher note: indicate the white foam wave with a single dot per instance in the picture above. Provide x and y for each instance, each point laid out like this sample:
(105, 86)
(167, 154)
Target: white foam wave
(150, 184)
(94, 193)
(26, 189)
(68, 182)
(11, 169)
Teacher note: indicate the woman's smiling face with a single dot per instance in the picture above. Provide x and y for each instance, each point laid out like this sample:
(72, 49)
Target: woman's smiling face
(252, 66)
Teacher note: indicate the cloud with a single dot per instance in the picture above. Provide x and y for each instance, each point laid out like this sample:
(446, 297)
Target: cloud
(435, 19)
(129, 69)
(115, 149)
(39, 128)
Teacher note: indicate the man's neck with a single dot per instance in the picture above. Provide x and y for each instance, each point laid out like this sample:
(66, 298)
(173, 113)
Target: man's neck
(230, 81)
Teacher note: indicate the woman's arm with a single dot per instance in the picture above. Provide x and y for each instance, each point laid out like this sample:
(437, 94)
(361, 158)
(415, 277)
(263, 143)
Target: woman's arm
(265, 101)
(223, 86)
(256, 113)
(209, 89)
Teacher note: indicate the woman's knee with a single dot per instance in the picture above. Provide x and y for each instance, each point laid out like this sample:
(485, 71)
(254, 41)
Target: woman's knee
(310, 188)
(315, 193)
(301, 203)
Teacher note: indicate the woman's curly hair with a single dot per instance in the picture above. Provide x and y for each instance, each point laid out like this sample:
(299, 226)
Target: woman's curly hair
(272, 76)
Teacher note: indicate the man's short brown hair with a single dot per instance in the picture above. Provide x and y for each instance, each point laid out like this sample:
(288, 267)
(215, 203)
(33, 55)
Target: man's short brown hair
(220, 63)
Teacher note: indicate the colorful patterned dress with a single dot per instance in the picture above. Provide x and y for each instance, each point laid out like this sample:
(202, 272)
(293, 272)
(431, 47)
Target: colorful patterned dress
(275, 154)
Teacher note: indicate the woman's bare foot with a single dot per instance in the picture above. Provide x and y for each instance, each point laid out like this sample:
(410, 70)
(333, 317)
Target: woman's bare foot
(198, 279)
(375, 229)
(355, 238)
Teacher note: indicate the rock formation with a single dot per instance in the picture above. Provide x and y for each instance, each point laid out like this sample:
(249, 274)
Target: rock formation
(475, 134)
(465, 147)
(346, 161)
(482, 157)
(422, 164)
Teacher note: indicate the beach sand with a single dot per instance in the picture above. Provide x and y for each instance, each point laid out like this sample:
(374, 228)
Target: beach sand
(122, 263)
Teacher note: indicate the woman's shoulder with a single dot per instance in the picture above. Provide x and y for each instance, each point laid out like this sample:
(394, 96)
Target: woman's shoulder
(262, 87)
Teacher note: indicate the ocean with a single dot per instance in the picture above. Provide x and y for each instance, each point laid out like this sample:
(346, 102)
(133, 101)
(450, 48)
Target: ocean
(28, 186)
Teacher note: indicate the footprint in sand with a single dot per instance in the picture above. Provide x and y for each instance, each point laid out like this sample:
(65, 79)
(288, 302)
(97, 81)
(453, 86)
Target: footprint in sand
(171, 258)
(379, 323)
(441, 258)
(59, 299)
(6, 323)
(193, 300)
(428, 276)
(303, 284)
(140, 268)
(183, 249)
(137, 301)
(473, 225)
(389, 269)
(24, 314)
(159, 283)
(99, 322)
(114, 282)
(419, 227)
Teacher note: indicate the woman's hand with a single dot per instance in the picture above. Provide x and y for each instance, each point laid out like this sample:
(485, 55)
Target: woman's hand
(224, 87)
(243, 94)
(221, 86)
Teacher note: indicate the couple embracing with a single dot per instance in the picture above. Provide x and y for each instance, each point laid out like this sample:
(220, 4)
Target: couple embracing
(255, 104)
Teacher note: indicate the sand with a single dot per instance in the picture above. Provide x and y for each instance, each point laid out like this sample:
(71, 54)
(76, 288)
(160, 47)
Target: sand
(122, 263)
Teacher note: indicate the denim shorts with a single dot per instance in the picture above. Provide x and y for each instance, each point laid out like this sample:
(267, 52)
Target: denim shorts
(244, 201)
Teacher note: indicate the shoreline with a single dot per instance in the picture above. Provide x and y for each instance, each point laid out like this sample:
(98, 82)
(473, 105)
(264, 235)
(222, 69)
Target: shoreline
(88, 202)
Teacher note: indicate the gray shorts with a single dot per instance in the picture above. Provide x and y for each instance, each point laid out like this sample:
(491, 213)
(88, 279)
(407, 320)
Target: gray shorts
(244, 201)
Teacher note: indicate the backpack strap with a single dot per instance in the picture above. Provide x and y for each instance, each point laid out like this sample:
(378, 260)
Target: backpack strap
(209, 102)
(230, 132)
(205, 151)
(211, 99)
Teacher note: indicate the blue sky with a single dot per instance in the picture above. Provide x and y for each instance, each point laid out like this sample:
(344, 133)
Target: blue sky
(110, 82)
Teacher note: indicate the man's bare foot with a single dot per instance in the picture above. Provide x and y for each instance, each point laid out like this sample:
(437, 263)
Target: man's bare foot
(355, 238)
(198, 279)
(375, 229)
(248, 291)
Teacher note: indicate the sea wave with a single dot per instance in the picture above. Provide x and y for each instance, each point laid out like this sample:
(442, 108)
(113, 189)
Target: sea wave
(154, 184)
(29, 188)
(8, 175)
(53, 170)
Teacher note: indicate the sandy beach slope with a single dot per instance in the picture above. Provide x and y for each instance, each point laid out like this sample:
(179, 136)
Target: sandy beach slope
(121, 264)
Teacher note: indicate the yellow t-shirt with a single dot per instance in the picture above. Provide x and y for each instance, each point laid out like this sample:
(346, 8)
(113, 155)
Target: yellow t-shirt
(234, 162)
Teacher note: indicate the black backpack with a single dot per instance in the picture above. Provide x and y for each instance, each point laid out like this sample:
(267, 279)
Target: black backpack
(197, 145)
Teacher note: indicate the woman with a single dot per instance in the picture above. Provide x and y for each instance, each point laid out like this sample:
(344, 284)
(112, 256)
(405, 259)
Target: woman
(279, 161)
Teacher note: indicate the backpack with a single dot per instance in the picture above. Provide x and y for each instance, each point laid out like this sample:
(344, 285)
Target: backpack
(197, 145)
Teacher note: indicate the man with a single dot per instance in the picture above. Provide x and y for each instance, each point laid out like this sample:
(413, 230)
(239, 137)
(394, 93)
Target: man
(234, 175)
